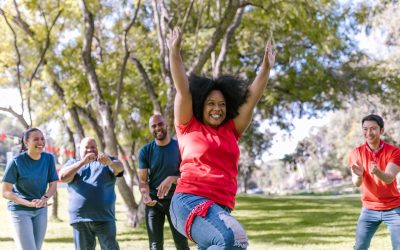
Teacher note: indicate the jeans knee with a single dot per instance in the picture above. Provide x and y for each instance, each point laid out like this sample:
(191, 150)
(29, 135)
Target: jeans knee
(361, 246)
(236, 237)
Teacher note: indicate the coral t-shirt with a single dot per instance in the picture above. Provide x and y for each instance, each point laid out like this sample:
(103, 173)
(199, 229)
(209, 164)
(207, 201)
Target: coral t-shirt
(376, 194)
(209, 166)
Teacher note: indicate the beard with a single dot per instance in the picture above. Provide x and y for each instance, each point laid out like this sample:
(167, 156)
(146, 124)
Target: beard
(160, 135)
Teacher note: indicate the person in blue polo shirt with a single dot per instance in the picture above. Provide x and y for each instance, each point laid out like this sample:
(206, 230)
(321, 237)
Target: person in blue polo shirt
(25, 180)
(158, 172)
(91, 187)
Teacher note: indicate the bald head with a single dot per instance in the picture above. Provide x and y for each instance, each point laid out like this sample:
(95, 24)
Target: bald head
(156, 118)
(158, 128)
(88, 145)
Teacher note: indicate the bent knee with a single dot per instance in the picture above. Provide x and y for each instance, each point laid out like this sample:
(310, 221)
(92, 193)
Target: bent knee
(236, 237)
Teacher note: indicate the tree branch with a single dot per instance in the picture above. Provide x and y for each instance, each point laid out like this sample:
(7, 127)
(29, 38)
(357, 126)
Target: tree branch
(18, 60)
(70, 135)
(73, 111)
(225, 43)
(94, 124)
(42, 55)
(124, 62)
(15, 114)
(187, 13)
(21, 23)
(161, 37)
(148, 84)
(219, 32)
(87, 51)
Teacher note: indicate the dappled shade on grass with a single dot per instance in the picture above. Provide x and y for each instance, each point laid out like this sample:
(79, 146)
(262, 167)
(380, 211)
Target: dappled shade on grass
(299, 220)
(278, 223)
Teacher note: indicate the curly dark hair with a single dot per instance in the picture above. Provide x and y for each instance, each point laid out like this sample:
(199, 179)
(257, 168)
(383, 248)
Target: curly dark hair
(234, 89)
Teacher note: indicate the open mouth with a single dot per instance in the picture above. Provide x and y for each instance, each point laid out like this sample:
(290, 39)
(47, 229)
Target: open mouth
(216, 116)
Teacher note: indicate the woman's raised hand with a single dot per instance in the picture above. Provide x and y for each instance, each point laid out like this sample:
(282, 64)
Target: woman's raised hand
(174, 39)
(269, 55)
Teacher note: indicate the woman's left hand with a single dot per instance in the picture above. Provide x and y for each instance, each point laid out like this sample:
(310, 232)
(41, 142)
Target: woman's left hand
(269, 55)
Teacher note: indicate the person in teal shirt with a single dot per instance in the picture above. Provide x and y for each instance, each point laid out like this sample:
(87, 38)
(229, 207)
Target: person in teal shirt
(91, 181)
(159, 162)
(29, 181)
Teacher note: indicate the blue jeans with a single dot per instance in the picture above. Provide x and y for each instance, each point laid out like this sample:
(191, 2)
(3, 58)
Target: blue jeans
(85, 235)
(217, 230)
(29, 228)
(369, 222)
(155, 219)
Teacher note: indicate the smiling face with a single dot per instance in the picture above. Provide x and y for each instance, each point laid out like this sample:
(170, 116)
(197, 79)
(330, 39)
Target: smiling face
(372, 133)
(158, 127)
(88, 145)
(35, 142)
(214, 109)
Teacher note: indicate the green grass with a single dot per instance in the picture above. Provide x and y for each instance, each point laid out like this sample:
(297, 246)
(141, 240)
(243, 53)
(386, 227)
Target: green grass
(298, 222)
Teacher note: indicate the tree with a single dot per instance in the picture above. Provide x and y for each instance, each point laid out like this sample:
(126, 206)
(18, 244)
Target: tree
(102, 66)
(252, 144)
(328, 147)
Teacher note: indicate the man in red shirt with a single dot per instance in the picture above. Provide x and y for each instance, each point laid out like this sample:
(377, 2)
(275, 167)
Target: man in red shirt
(374, 166)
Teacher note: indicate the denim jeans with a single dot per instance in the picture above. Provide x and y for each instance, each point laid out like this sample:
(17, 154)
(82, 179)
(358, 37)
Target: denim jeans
(29, 228)
(369, 222)
(155, 218)
(85, 235)
(217, 230)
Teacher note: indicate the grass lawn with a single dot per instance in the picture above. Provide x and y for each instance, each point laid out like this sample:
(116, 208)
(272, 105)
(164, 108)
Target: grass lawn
(298, 222)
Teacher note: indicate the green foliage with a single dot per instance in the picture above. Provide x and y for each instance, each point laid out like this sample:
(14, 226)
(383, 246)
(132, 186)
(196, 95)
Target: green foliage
(308, 35)
(13, 131)
(328, 147)
(317, 69)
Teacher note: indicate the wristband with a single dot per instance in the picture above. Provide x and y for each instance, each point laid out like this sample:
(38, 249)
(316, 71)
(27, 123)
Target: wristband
(45, 196)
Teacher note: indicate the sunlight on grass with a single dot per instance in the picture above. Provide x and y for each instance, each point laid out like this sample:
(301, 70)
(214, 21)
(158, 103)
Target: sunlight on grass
(281, 223)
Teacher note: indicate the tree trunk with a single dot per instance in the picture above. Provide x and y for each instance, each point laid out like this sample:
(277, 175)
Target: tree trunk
(105, 115)
(54, 208)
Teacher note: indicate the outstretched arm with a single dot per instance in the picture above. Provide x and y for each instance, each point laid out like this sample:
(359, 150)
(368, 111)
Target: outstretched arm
(183, 111)
(256, 89)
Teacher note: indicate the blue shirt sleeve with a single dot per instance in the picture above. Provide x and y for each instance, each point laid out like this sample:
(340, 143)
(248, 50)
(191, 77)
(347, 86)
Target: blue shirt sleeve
(52, 170)
(143, 164)
(11, 172)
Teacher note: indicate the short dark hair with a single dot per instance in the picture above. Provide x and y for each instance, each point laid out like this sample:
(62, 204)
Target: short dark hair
(234, 89)
(25, 137)
(375, 118)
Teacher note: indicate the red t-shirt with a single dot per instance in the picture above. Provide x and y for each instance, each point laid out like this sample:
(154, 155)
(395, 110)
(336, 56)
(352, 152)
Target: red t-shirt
(376, 194)
(209, 166)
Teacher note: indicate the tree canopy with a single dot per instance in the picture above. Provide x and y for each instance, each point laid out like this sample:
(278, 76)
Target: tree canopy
(101, 67)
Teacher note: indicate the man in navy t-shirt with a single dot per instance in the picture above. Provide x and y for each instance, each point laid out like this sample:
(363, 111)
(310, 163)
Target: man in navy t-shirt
(159, 163)
(91, 181)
